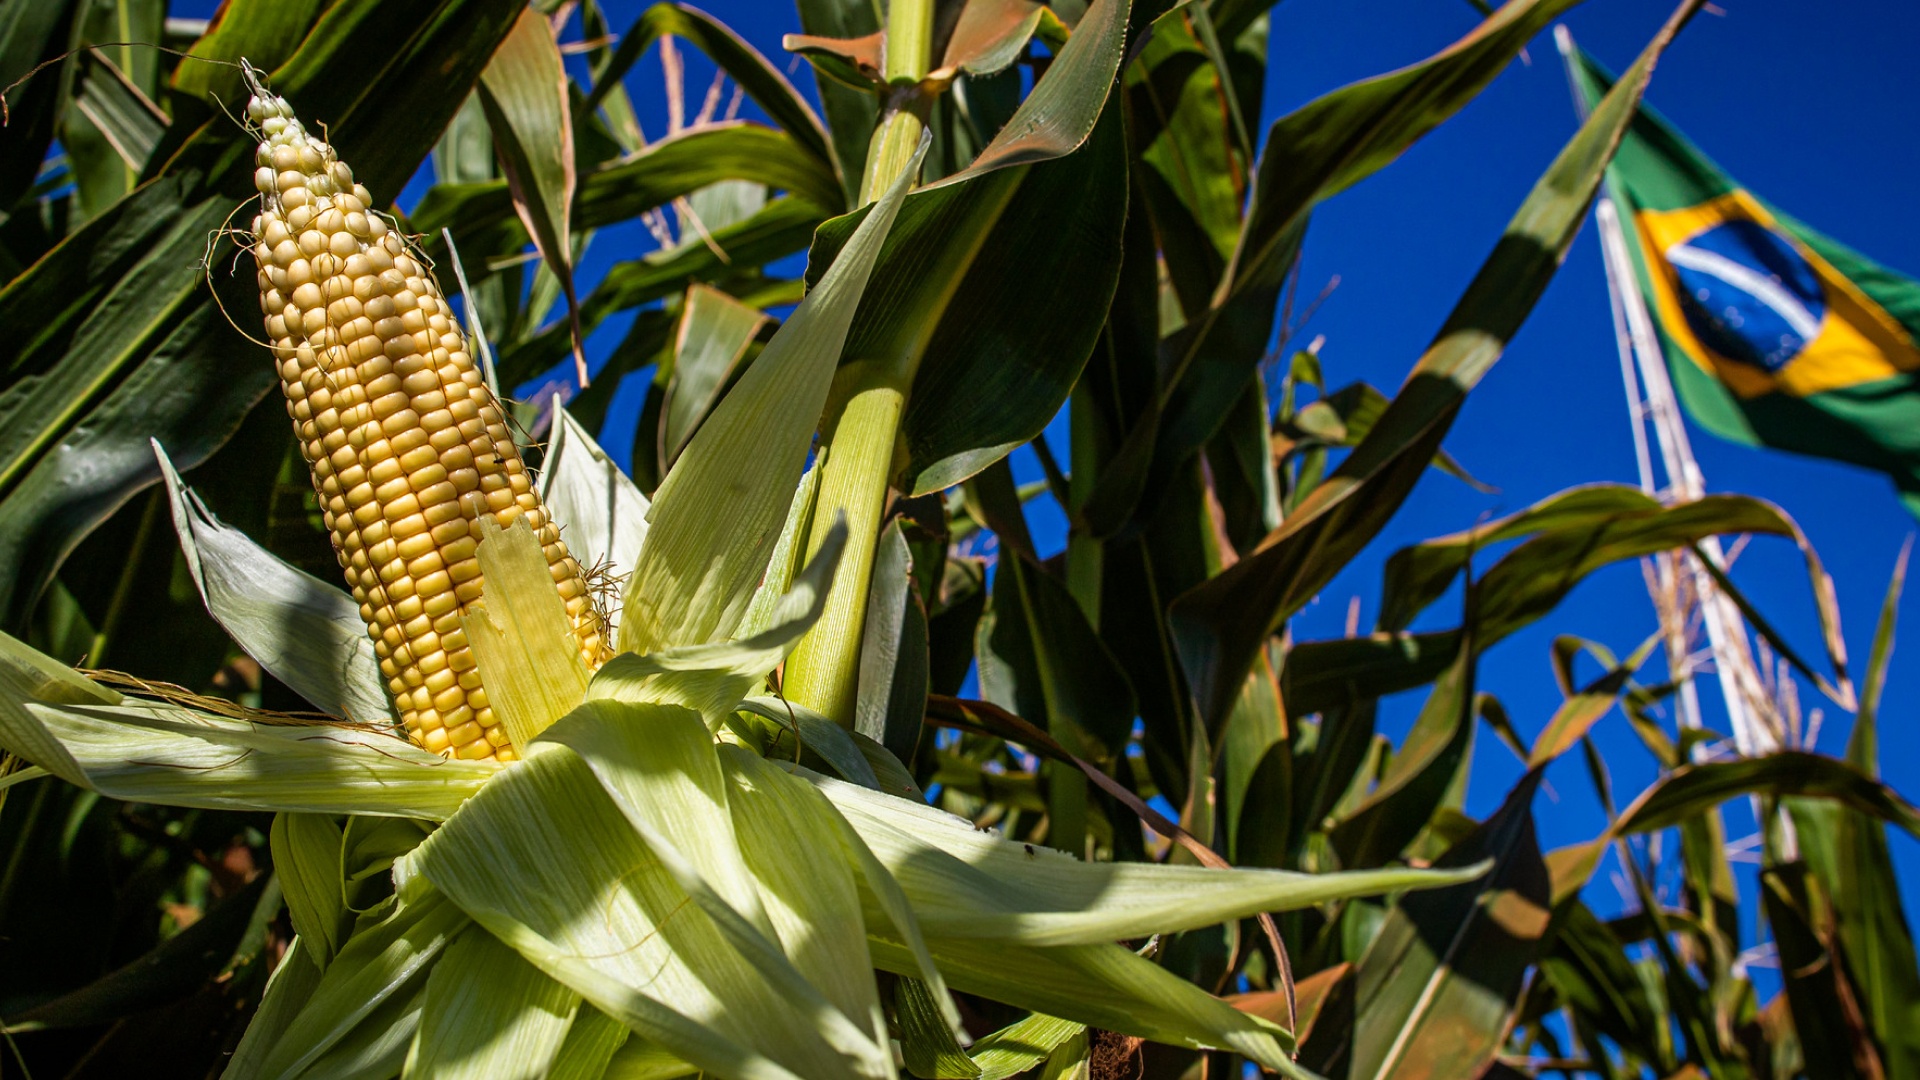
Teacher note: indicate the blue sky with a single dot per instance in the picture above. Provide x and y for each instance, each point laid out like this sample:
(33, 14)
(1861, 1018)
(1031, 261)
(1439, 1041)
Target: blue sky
(1810, 106)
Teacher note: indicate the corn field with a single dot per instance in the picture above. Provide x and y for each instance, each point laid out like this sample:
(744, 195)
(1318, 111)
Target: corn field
(366, 711)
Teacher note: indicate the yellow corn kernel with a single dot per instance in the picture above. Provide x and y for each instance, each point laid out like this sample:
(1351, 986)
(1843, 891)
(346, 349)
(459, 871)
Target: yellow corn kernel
(397, 427)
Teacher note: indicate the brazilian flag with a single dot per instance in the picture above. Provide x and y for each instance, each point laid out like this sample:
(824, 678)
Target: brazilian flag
(1775, 335)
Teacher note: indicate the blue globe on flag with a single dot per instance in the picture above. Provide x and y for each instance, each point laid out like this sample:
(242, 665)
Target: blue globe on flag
(1748, 294)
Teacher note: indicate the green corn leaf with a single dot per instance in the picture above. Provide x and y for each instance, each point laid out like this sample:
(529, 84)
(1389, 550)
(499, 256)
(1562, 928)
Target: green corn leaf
(29, 35)
(601, 514)
(525, 644)
(783, 227)
(1438, 986)
(1041, 659)
(850, 112)
(1578, 532)
(114, 111)
(991, 359)
(1192, 170)
(1863, 743)
(890, 705)
(990, 34)
(486, 1014)
(715, 330)
(1256, 734)
(1060, 114)
(1849, 854)
(1416, 781)
(1311, 154)
(1417, 576)
(1828, 1023)
(927, 1045)
(1343, 418)
(815, 732)
(1691, 789)
(128, 341)
(1577, 715)
(110, 126)
(263, 31)
(524, 94)
(480, 213)
(1588, 968)
(146, 751)
(754, 74)
(611, 921)
(1220, 626)
(307, 633)
(718, 512)
(966, 884)
(385, 963)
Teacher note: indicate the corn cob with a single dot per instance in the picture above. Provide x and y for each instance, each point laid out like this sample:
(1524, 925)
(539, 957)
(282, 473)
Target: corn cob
(406, 445)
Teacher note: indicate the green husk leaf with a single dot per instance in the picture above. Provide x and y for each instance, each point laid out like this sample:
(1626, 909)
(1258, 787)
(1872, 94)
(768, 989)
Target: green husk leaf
(1103, 986)
(640, 1059)
(927, 1044)
(787, 836)
(966, 884)
(592, 1042)
(489, 1015)
(1021, 1045)
(149, 751)
(307, 633)
(383, 962)
(610, 919)
(306, 857)
(601, 513)
(521, 636)
(378, 1046)
(714, 678)
(892, 909)
(787, 553)
(288, 990)
(658, 762)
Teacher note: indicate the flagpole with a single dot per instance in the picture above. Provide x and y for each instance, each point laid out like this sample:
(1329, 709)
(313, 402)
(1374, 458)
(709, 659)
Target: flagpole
(1740, 686)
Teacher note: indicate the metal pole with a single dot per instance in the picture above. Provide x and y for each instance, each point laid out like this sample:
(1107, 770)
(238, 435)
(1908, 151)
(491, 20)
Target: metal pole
(1740, 687)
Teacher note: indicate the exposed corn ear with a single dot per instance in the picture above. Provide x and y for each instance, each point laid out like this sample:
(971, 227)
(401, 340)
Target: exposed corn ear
(407, 446)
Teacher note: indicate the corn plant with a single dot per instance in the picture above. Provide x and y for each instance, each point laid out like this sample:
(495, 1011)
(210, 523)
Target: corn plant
(596, 774)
